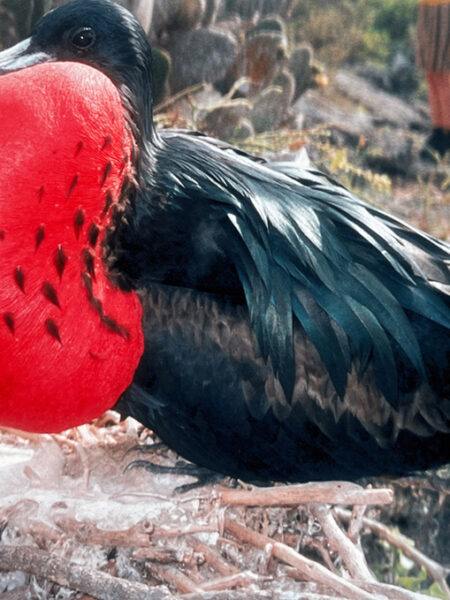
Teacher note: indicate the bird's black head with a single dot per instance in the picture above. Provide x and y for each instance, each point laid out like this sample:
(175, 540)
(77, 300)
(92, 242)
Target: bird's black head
(99, 33)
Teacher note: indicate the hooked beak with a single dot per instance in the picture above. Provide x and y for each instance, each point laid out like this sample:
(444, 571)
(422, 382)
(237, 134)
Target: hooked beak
(21, 56)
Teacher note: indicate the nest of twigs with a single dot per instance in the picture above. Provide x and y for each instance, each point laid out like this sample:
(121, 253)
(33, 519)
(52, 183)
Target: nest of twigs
(74, 524)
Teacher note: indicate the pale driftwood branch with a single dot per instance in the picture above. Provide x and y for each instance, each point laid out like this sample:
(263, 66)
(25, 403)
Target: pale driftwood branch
(168, 532)
(355, 524)
(353, 558)
(213, 558)
(311, 570)
(65, 573)
(316, 545)
(156, 554)
(138, 535)
(88, 533)
(42, 533)
(193, 89)
(382, 589)
(337, 492)
(17, 594)
(393, 592)
(175, 578)
(434, 569)
(242, 579)
(255, 595)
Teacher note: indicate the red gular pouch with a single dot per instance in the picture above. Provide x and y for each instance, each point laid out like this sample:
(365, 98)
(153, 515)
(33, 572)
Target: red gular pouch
(70, 340)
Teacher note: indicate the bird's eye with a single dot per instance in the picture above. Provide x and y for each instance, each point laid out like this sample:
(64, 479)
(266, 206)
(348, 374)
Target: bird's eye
(83, 38)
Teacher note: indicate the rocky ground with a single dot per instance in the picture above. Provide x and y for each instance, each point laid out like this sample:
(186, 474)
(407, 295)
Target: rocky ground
(382, 133)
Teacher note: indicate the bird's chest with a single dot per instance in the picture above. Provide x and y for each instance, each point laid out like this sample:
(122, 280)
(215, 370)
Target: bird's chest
(69, 339)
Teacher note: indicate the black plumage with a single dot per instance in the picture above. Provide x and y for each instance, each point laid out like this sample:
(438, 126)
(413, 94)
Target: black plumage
(292, 331)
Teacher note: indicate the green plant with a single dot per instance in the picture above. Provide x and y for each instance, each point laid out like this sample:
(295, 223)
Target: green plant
(350, 30)
(395, 17)
(399, 570)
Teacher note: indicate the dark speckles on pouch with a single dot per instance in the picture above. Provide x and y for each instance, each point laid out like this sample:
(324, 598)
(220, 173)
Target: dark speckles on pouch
(96, 356)
(19, 277)
(2, 235)
(50, 293)
(126, 185)
(60, 260)
(87, 280)
(78, 149)
(108, 203)
(89, 261)
(73, 185)
(9, 322)
(40, 235)
(106, 172)
(53, 329)
(95, 302)
(107, 142)
(115, 327)
(93, 234)
(97, 305)
(41, 191)
(78, 221)
(124, 162)
(108, 321)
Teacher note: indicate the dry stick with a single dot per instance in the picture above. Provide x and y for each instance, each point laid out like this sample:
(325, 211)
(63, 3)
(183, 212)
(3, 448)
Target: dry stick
(42, 533)
(339, 492)
(156, 554)
(239, 579)
(255, 595)
(213, 558)
(174, 578)
(393, 592)
(320, 549)
(390, 591)
(138, 535)
(263, 566)
(434, 569)
(355, 524)
(312, 571)
(87, 532)
(352, 556)
(67, 574)
(179, 96)
(17, 594)
(167, 532)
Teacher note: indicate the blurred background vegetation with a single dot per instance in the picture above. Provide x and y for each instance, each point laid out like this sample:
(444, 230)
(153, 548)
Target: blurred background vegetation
(355, 30)
(339, 30)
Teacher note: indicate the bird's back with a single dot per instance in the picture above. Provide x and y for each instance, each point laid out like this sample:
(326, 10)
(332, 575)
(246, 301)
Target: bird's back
(292, 332)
